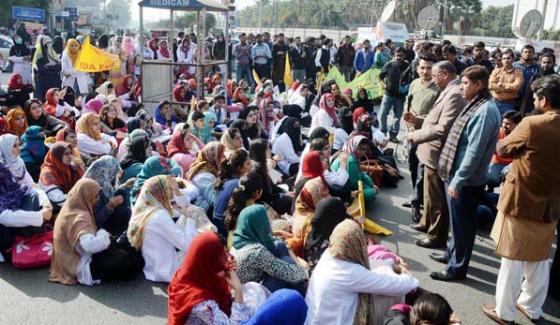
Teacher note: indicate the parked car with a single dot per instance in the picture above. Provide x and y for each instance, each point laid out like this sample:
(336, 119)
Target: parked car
(5, 45)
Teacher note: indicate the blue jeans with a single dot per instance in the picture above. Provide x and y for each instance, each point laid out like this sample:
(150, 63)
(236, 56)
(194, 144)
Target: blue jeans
(505, 107)
(273, 284)
(388, 103)
(462, 213)
(244, 72)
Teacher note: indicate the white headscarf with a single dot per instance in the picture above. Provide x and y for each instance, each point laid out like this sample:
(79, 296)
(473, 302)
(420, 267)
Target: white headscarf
(15, 164)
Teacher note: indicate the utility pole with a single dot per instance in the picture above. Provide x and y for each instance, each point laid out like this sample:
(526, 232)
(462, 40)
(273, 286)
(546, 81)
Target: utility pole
(539, 35)
(259, 17)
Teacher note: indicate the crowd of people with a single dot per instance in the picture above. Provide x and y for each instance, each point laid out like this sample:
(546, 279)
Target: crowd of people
(246, 199)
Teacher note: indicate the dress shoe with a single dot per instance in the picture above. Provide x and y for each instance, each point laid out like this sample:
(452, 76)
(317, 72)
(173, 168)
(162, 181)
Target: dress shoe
(407, 204)
(490, 311)
(416, 214)
(419, 227)
(444, 276)
(428, 243)
(438, 258)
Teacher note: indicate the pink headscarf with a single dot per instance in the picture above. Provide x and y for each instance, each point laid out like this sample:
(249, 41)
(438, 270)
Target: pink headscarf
(329, 109)
(93, 106)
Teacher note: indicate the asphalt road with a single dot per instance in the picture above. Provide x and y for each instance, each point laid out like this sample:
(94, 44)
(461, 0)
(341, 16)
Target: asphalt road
(27, 297)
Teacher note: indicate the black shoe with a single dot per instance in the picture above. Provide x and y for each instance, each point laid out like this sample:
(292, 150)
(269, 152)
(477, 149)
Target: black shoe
(416, 214)
(428, 243)
(393, 138)
(419, 227)
(407, 204)
(444, 276)
(438, 258)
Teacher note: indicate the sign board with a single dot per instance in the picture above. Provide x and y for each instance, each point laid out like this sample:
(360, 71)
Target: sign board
(185, 5)
(28, 13)
(73, 11)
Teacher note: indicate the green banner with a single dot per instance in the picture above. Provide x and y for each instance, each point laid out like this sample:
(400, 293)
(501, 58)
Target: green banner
(366, 80)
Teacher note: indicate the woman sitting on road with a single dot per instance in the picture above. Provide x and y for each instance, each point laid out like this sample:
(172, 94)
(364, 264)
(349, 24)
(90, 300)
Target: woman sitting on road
(153, 231)
(204, 171)
(36, 116)
(91, 141)
(153, 166)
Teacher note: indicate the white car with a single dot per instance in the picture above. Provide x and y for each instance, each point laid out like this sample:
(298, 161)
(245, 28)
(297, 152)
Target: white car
(5, 45)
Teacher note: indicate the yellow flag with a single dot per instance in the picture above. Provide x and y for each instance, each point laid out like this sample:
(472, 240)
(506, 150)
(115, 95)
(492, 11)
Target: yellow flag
(92, 59)
(288, 81)
(256, 78)
(361, 198)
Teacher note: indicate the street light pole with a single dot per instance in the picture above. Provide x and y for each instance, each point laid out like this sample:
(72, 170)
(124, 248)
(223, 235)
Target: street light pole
(539, 35)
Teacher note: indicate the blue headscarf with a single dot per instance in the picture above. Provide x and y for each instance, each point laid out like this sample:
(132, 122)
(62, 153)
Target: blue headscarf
(153, 166)
(159, 116)
(12, 191)
(285, 306)
(104, 171)
(33, 145)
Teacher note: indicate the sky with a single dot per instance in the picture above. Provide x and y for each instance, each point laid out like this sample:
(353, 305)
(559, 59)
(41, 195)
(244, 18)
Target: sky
(485, 3)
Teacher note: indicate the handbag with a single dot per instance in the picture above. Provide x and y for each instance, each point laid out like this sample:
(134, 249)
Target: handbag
(32, 252)
(374, 168)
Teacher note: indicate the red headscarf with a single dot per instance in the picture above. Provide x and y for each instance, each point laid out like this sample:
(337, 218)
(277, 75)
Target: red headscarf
(164, 50)
(198, 279)
(153, 44)
(356, 115)
(177, 96)
(124, 87)
(229, 85)
(16, 82)
(329, 109)
(238, 98)
(55, 172)
(312, 165)
(176, 144)
(50, 103)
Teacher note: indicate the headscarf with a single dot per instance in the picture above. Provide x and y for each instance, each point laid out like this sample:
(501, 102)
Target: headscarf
(312, 166)
(284, 306)
(289, 127)
(50, 102)
(84, 125)
(124, 87)
(33, 145)
(153, 166)
(239, 98)
(153, 44)
(128, 45)
(161, 119)
(208, 160)
(351, 146)
(15, 164)
(177, 96)
(72, 56)
(205, 134)
(58, 44)
(44, 52)
(227, 141)
(164, 50)
(366, 103)
(198, 279)
(357, 114)
(133, 124)
(329, 109)
(12, 191)
(319, 133)
(55, 172)
(253, 227)
(93, 106)
(16, 82)
(138, 142)
(74, 220)
(348, 243)
(362, 128)
(346, 123)
(328, 214)
(11, 117)
(103, 89)
(177, 144)
(104, 171)
(156, 194)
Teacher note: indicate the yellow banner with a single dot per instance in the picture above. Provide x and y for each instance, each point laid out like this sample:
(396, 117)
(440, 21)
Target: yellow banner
(288, 81)
(92, 59)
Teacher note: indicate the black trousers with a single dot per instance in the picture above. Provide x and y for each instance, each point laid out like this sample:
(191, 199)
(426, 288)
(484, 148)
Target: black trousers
(263, 71)
(417, 176)
(118, 262)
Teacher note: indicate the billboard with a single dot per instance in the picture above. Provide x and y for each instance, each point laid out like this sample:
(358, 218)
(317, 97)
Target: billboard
(28, 14)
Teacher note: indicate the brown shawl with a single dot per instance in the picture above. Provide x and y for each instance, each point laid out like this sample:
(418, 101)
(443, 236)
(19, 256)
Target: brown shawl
(74, 220)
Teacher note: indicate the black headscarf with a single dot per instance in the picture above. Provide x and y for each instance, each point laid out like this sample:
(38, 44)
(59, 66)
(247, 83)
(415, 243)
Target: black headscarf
(133, 124)
(366, 103)
(58, 44)
(319, 133)
(136, 152)
(103, 41)
(292, 111)
(292, 128)
(346, 122)
(70, 96)
(328, 214)
(19, 50)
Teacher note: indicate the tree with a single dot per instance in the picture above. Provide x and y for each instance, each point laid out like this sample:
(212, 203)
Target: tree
(118, 12)
(494, 21)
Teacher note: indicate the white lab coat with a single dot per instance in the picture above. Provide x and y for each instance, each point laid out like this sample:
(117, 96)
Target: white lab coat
(71, 76)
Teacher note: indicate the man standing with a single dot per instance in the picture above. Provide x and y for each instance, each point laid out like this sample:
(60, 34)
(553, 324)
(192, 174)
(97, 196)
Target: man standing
(529, 69)
(409, 54)
(309, 55)
(505, 83)
(364, 58)
(463, 165)
(297, 60)
(548, 61)
(323, 58)
(422, 95)
(279, 51)
(528, 208)
(430, 139)
(345, 58)
(390, 78)
(479, 53)
(450, 54)
(260, 54)
(242, 55)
